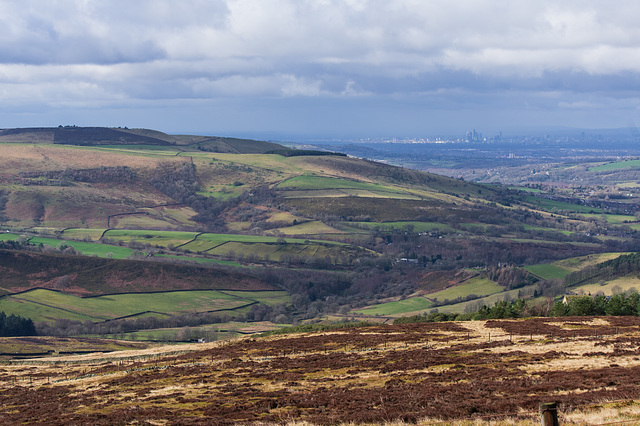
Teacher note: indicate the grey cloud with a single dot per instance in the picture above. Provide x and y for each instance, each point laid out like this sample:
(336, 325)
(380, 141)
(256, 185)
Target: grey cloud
(571, 55)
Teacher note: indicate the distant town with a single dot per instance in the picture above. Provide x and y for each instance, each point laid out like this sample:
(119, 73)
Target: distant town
(473, 136)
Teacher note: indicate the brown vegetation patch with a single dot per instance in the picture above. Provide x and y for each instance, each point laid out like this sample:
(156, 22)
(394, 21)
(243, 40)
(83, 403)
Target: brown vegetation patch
(566, 326)
(361, 375)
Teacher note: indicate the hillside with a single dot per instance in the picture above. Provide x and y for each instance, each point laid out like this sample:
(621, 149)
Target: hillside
(338, 234)
(90, 276)
(100, 136)
(498, 370)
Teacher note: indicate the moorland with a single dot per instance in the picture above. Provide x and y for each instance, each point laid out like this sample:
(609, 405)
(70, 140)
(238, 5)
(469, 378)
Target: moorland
(113, 237)
(433, 373)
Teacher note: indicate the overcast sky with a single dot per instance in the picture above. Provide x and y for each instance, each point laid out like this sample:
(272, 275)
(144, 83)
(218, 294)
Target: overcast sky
(320, 67)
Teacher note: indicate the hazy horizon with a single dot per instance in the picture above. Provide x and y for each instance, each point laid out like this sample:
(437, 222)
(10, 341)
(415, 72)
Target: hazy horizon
(351, 68)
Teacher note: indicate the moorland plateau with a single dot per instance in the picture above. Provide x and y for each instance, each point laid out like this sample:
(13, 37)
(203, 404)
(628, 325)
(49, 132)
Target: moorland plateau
(116, 235)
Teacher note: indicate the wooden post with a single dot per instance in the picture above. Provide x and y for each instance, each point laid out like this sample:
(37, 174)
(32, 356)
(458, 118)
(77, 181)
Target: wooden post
(549, 414)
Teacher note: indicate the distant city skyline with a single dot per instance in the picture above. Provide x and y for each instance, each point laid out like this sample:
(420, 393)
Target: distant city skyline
(349, 68)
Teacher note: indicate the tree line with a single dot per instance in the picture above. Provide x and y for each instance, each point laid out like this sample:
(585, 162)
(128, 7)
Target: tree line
(599, 305)
(15, 325)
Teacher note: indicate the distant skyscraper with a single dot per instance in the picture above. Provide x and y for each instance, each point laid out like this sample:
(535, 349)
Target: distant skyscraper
(474, 136)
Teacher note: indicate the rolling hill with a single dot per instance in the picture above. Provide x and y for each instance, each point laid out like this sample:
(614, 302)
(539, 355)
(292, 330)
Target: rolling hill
(336, 233)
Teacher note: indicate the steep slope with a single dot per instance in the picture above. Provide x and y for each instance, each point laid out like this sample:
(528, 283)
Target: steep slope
(86, 276)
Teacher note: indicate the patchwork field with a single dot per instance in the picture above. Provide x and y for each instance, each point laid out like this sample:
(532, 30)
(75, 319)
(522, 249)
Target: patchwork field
(362, 375)
(48, 305)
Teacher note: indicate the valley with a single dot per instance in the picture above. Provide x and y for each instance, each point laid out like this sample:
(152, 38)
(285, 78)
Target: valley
(128, 239)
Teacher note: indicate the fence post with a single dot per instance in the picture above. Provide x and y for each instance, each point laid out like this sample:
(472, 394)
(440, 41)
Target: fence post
(549, 414)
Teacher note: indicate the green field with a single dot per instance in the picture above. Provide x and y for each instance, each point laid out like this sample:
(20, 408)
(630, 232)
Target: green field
(296, 187)
(399, 307)
(222, 331)
(48, 305)
(314, 227)
(87, 249)
(82, 234)
(8, 236)
(614, 219)
(629, 164)
(402, 225)
(276, 252)
(159, 238)
(525, 189)
(548, 271)
(478, 286)
(318, 182)
(551, 205)
(490, 300)
(576, 263)
(270, 298)
(619, 284)
(207, 242)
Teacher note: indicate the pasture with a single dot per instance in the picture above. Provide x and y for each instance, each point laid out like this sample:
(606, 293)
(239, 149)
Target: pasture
(8, 236)
(157, 238)
(618, 165)
(49, 305)
(412, 226)
(459, 308)
(279, 252)
(548, 271)
(210, 333)
(82, 234)
(144, 220)
(614, 219)
(87, 249)
(397, 308)
(581, 262)
(476, 285)
(553, 205)
(307, 184)
(608, 288)
(314, 227)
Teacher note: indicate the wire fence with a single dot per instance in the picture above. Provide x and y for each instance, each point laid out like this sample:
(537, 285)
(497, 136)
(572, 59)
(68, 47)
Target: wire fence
(567, 409)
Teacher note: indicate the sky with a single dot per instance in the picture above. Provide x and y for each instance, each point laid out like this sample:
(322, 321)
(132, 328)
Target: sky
(320, 68)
